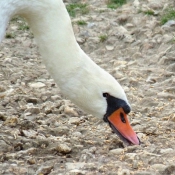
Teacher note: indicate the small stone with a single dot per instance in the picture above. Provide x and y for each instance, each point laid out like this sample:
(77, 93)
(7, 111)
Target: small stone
(92, 149)
(60, 130)
(31, 100)
(170, 23)
(43, 170)
(63, 148)
(29, 133)
(55, 97)
(74, 120)
(159, 167)
(11, 121)
(70, 111)
(37, 85)
(81, 40)
(91, 25)
(73, 166)
(4, 146)
(155, 4)
(172, 118)
(130, 156)
(77, 134)
(170, 169)
(77, 172)
(32, 110)
(122, 18)
(135, 164)
(166, 151)
(143, 173)
(31, 161)
(128, 39)
(3, 117)
(141, 136)
(124, 172)
(116, 151)
(108, 47)
(1, 55)
(136, 3)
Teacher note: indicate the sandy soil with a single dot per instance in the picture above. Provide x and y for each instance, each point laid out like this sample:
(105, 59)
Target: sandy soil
(42, 132)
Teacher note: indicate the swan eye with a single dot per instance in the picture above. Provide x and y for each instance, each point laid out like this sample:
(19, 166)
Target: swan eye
(105, 95)
(122, 118)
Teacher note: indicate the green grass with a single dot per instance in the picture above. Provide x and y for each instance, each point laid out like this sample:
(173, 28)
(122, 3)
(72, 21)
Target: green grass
(81, 22)
(10, 35)
(113, 4)
(23, 26)
(75, 8)
(103, 38)
(149, 12)
(169, 14)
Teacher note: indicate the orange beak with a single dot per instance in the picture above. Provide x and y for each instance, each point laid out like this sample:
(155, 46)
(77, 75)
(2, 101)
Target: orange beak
(119, 123)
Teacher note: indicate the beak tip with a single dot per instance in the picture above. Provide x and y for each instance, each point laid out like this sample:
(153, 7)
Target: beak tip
(136, 140)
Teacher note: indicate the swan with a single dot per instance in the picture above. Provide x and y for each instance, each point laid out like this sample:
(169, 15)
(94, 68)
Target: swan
(86, 84)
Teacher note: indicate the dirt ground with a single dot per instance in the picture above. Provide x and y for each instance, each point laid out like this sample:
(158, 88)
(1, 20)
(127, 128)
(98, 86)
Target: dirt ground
(42, 132)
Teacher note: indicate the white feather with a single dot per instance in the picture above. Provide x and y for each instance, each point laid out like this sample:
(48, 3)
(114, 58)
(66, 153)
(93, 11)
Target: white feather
(78, 77)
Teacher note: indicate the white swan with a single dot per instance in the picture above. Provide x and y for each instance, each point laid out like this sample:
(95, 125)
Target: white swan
(79, 78)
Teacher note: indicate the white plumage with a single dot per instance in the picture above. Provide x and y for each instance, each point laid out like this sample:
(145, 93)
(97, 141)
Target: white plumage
(78, 77)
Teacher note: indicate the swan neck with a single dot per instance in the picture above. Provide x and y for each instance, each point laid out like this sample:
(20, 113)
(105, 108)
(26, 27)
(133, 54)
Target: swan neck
(52, 29)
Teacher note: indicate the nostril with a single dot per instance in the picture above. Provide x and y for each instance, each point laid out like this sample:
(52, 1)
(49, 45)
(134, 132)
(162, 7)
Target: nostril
(122, 118)
(126, 109)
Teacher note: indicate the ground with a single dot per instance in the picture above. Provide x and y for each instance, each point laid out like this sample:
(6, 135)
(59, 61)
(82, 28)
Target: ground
(42, 132)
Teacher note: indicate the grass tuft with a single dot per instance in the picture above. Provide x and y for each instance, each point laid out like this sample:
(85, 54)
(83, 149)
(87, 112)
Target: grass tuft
(81, 22)
(103, 38)
(169, 14)
(10, 35)
(23, 26)
(113, 4)
(149, 12)
(77, 8)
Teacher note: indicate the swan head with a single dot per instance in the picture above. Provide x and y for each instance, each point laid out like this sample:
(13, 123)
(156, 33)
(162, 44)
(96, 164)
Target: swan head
(116, 110)
(98, 93)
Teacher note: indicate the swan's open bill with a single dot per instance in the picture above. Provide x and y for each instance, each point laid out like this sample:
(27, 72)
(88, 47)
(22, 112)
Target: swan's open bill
(119, 123)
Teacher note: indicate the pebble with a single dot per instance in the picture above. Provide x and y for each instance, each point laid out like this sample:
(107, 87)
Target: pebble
(77, 134)
(169, 23)
(77, 172)
(30, 133)
(124, 172)
(74, 120)
(116, 151)
(4, 146)
(63, 148)
(70, 111)
(91, 25)
(32, 110)
(37, 85)
(166, 151)
(135, 164)
(81, 40)
(11, 121)
(170, 169)
(130, 156)
(73, 166)
(109, 48)
(43, 170)
(159, 167)
(143, 173)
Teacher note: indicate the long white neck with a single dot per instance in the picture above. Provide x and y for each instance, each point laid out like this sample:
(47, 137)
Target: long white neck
(51, 26)
(64, 59)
